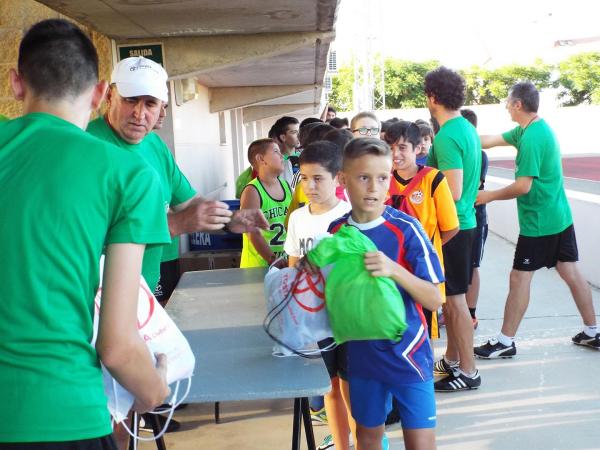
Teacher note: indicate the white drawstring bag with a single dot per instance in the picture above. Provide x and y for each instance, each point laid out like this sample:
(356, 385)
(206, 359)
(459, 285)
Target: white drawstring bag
(296, 315)
(161, 335)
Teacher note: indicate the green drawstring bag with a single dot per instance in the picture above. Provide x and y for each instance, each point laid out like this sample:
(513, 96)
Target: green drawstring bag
(360, 306)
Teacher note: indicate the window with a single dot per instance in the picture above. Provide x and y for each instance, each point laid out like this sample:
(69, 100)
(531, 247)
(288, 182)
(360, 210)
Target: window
(332, 62)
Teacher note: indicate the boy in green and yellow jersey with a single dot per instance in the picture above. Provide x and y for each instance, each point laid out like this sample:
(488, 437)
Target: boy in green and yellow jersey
(272, 195)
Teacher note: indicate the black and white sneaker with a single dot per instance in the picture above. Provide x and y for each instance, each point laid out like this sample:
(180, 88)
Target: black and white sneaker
(493, 349)
(586, 341)
(442, 367)
(458, 382)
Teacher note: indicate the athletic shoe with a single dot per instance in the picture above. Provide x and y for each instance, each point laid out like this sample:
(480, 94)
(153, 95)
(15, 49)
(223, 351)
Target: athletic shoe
(457, 382)
(441, 367)
(327, 443)
(475, 323)
(586, 341)
(493, 349)
(147, 427)
(318, 417)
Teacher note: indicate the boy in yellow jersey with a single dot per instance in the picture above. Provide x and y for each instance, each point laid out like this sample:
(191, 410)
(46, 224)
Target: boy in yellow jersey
(272, 195)
(422, 192)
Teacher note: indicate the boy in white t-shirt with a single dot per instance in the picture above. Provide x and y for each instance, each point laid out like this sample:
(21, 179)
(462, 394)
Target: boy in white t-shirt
(320, 163)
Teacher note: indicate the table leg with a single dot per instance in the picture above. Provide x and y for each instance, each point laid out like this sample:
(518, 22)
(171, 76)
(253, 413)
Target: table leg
(308, 429)
(296, 425)
(160, 443)
(217, 412)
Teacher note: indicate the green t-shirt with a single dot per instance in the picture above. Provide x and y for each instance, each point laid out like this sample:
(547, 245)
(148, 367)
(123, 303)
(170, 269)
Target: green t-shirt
(275, 212)
(175, 187)
(3, 118)
(544, 209)
(457, 146)
(66, 194)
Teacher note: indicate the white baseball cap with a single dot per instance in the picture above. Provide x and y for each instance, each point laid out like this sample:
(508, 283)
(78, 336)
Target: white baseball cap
(137, 76)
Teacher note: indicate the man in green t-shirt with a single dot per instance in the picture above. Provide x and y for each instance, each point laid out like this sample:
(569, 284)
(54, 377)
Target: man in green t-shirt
(546, 236)
(75, 197)
(135, 97)
(457, 153)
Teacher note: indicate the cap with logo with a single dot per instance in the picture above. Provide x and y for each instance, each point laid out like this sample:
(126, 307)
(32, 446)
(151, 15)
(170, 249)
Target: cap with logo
(137, 76)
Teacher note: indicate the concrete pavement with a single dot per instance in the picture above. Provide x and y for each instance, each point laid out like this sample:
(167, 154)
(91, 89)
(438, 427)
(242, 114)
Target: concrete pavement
(547, 397)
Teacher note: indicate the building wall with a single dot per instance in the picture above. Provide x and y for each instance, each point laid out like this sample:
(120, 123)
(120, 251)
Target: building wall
(16, 16)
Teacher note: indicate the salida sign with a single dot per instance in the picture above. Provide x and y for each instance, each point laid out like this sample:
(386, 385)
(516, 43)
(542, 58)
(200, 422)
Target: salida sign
(150, 51)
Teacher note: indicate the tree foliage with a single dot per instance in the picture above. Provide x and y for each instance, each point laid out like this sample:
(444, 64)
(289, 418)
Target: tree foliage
(577, 78)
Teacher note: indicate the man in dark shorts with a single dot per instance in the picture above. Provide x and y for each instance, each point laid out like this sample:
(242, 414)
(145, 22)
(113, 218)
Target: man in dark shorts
(547, 236)
(457, 153)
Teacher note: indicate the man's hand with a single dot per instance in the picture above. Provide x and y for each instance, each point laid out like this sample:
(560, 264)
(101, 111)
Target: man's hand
(379, 265)
(163, 390)
(199, 215)
(247, 221)
(484, 197)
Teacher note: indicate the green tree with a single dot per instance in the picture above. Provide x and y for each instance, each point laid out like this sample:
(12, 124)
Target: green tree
(579, 79)
(404, 81)
(341, 89)
(485, 86)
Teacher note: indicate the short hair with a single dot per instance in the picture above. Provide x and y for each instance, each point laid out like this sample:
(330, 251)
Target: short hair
(310, 120)
(339, 136)
(387, 123)
(361, 146)
(57, 60)
(324, 153)
(281, 126)
(403, 129)
(339, 122)
(259, 147)
(331, 109)
(362, 115)
(317, 132)
(470, 115)
(425, 129)
(527, 94)
(446, 86)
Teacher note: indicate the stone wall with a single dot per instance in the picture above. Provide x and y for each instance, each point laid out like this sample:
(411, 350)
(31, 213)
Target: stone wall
(16, 16)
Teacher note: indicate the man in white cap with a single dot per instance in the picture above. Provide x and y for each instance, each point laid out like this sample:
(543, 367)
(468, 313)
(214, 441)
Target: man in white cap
(137, 92)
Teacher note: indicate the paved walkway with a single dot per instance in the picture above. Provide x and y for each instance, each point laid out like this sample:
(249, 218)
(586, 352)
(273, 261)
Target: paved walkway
(548, 397)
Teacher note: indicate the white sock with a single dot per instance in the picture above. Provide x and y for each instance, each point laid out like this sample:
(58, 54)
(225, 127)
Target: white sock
(469, 375)
(590, 331)
(452, 363)
(505, 340)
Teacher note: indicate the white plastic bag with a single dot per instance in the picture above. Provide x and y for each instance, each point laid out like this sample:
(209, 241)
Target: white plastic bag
(161, 336)
(296, 315)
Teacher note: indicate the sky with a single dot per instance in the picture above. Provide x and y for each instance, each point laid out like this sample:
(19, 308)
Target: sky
(462, 33)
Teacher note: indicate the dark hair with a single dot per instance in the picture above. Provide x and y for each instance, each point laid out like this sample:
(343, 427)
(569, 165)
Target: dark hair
(57, 60)
(470, 115)
(324, 153)
(359, 147)
(339, 122)
(446, 86)
(317, 132)
(259, 147)
(425, 129)
(527, 94)
(305, 130)
(385, 125)
(309, 120)
(331, 109)
(339, 136)
(403, 129)
(281, 126)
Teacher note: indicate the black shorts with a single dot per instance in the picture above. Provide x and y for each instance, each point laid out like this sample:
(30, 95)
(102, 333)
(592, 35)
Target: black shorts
(481, 233)
(335, 360)
(533, 253)
(458, 265)
(103, 443)
(169, 277)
